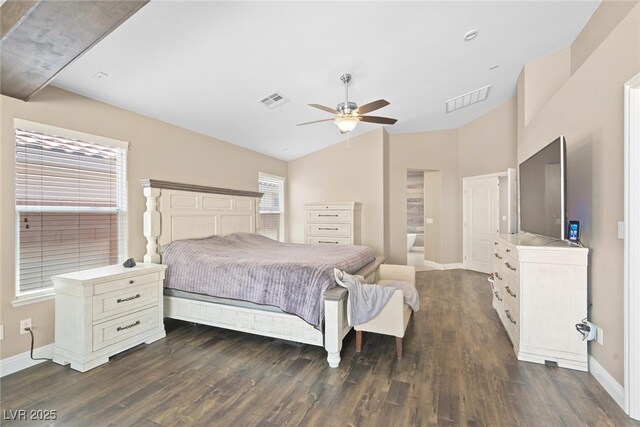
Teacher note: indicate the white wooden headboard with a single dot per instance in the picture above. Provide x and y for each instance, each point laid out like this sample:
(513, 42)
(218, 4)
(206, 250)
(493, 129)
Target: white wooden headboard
(181, 211)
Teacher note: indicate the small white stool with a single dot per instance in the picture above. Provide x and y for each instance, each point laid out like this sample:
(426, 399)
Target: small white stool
(394, 317)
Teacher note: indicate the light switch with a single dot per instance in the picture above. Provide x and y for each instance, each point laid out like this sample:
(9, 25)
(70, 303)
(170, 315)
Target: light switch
(429, 220)
(504, 217)
(620, 229)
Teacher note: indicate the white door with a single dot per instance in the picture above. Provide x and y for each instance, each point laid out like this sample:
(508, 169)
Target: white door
(480, 210)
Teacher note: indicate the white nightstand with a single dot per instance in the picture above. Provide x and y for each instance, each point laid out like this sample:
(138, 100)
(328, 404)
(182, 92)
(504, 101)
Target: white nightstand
(104, 311)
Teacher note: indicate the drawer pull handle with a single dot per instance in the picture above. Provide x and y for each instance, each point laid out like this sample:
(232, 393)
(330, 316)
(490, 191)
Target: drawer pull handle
(326, 241)
(136, 296)
(122, 328)
(497, 296)
(509, 266)
(509, 291)
(495, 243)
(497, 256)
(508, 250)
(509, 317)
(328, 228)
(332, 215)
(131, 282)
(498, 276)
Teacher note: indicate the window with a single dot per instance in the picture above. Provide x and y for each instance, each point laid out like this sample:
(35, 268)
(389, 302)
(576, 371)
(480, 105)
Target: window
(271, 221)
(70, 203)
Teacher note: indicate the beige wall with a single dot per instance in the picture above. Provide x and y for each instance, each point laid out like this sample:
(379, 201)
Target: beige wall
(157, 150)
(433, 210)
(588, 110)
(387, 208)
(544, 77)
(488, 144)
(602, 22)
(374, 172)
(520, 101)
(338, 174)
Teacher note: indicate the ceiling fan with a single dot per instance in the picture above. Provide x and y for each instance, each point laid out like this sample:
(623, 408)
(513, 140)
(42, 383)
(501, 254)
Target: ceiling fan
(348, 114)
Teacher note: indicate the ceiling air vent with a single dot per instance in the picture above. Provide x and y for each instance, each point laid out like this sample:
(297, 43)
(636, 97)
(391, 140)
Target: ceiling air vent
(467, 99)
(274, 100)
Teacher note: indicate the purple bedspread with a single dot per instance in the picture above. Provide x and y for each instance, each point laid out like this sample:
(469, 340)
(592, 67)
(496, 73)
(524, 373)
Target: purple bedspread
(255, 268)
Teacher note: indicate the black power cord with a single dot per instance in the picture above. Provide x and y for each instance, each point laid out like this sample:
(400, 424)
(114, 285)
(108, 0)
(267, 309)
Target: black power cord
(31, 352)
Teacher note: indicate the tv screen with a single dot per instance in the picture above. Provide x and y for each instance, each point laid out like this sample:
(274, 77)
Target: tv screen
(542, 191)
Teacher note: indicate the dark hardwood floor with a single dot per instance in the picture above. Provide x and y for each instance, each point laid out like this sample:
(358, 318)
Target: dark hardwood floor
(459, 368)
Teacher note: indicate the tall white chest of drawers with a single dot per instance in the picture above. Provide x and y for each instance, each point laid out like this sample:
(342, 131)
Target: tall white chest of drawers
(334, 223)
(104, 311)
(540, 293)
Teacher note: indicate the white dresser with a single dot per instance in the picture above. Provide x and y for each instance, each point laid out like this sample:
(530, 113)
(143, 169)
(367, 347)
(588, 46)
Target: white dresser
(336, 223)
(540, 293)
(104, 311)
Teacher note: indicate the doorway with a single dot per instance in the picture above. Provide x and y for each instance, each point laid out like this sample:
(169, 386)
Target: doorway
(632, 248)
(415, 218)
(424, 240)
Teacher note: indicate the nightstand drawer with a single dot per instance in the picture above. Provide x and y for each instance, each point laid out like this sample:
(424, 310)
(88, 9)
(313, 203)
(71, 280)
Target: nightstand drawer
(114, 285)
(124, 300)
(114, 331)
(338, 230)
(328, 240)
(315, 217)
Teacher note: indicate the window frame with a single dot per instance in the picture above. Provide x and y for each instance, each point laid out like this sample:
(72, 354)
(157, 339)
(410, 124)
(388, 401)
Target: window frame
(282, 180)
(32, 296)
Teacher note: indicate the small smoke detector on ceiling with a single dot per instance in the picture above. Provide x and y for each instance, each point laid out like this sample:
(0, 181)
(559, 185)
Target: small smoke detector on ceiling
(470, 35)
(467, 99)
(275, 100)
(100, 75)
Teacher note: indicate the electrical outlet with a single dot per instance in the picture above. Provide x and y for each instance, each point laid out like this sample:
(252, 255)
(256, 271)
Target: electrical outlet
(24, 324)
(600, 336)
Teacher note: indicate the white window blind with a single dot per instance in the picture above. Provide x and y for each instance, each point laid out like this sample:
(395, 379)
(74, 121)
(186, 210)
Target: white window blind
(271, 206)
(70, 206)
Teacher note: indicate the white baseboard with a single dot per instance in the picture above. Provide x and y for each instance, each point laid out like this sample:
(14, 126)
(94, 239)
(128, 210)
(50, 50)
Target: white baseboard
(23, 360)
(613, 387)
(439, 266)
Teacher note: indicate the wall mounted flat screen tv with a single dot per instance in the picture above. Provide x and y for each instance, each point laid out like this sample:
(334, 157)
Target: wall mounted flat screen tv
(543, 180)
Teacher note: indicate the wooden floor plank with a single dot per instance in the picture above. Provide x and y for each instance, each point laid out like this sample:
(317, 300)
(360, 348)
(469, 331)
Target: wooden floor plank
(458, 369)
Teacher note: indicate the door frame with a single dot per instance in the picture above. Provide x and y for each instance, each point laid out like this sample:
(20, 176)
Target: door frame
(632, 247)
(465, 180)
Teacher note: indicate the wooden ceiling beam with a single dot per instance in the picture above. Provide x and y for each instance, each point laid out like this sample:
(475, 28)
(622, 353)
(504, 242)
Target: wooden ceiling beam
(12, 12)
(42, 37)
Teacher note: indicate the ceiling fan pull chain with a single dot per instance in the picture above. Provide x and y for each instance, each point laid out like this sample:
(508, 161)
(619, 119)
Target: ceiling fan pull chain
(348, 141)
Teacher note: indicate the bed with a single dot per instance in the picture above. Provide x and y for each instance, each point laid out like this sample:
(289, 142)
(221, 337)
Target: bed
(178, 212)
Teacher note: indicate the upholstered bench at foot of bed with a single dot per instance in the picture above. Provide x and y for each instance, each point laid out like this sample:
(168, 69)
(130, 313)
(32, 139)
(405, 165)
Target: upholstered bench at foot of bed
(394, 317)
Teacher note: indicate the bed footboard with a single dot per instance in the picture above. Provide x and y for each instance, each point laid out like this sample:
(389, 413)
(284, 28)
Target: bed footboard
(335, 323)
(336, 326)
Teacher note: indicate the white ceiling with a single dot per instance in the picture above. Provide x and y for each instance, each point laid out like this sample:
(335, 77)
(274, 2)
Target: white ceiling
(205, 65)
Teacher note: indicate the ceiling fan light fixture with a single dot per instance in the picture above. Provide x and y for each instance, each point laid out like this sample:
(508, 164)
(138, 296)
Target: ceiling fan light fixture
(346, 123)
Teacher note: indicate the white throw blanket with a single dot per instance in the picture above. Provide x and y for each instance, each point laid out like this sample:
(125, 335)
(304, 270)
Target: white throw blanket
(367, 301)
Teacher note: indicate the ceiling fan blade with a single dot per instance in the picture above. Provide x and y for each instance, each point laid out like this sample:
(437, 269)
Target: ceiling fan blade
(372, 106)
(323, 108)
(315, 121)
(376, 119)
